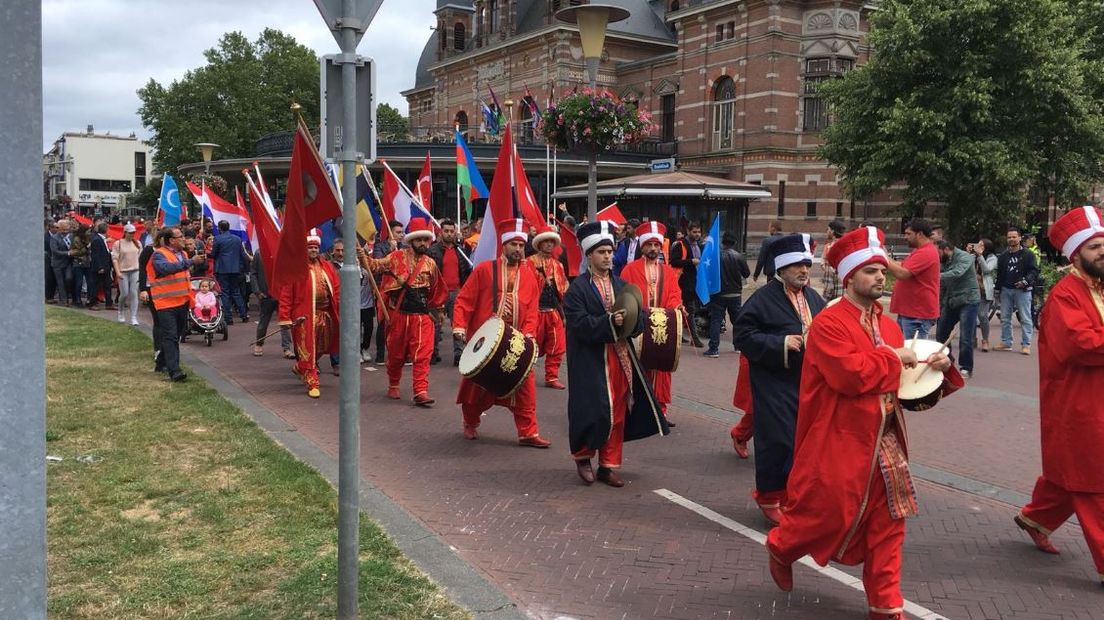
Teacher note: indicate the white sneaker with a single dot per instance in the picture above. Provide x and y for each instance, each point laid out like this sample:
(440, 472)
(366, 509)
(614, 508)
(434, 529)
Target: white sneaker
(122, 319)
(134, 322)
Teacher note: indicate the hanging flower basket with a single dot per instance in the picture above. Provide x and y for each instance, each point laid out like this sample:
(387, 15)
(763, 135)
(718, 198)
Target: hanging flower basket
(593, 121)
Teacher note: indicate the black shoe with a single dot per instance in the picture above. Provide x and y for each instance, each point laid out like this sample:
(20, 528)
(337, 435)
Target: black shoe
(245, 319)
(178, 377)
(436, 359)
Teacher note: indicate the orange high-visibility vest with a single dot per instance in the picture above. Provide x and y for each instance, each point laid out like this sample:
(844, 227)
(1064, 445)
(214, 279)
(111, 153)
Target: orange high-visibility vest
(167, 291)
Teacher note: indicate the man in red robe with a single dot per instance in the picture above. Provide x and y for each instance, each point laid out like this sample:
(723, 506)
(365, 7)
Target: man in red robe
(506, 287)
(743, 430)
(412, 288)
(1071, 371)
(551, 340)
(850, 489)
(659, 284)
(310, 308)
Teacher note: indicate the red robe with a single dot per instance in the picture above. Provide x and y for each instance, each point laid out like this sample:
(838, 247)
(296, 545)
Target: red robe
(663, 293)
(1071, 373)
(551, 338)
(474, 305)
(409, 335)
(319, 333)
(741, 399)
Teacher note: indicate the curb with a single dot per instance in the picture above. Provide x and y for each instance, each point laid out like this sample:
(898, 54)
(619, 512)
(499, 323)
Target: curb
(461, 581)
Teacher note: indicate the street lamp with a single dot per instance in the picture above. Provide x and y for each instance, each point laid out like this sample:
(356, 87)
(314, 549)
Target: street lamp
(592, 20)
(207, 149)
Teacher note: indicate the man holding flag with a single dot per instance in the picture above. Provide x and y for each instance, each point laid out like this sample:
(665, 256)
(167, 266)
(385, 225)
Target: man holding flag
(770, 331)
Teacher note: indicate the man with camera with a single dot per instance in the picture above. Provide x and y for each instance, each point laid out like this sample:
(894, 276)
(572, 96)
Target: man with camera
(1017, 272)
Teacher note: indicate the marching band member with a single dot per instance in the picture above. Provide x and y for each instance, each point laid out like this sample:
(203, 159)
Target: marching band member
(850, 488)
(316, 299)
(659, 284)
(609, 400)
(412, 288)
(770, 332)
(506, 287)
(551, 340)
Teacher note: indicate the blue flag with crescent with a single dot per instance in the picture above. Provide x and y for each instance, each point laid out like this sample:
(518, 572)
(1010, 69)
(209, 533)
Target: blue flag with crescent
(169, 203)
(709, 269)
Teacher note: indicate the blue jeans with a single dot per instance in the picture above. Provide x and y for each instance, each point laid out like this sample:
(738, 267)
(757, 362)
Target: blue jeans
(718, 306)
(966, 316)
(1020, 300)
(230, 283)
(909, 327)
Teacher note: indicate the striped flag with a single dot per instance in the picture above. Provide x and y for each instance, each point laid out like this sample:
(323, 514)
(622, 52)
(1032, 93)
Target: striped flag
(467, 174)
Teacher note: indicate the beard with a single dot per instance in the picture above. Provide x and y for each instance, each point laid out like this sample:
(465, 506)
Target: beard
(651, 254)
(1093, 269)
(420, 249)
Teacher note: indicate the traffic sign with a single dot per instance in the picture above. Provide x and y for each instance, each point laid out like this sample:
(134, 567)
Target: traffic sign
(662, 165)
(334, 139)
(364, 11)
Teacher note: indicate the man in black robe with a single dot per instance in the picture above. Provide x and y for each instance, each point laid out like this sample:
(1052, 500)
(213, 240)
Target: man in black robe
(609, 399)
(770, 331)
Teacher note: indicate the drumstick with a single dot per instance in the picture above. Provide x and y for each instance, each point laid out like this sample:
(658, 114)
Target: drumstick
(912, 345)
(946, 345)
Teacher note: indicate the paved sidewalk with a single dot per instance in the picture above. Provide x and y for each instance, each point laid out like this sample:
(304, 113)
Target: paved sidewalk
(525, 522)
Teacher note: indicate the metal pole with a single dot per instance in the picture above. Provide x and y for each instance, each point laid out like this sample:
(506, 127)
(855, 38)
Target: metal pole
(348, 480)
(23, 408)
(592, 171)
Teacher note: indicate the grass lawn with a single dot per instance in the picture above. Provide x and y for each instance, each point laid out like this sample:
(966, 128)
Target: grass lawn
(186, 508)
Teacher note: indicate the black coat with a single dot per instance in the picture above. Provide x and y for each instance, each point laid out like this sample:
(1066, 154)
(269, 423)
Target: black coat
(99, 255)
(760, 330)
(589, 330)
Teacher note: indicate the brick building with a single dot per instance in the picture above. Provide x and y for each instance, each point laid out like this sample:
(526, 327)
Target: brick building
(731, 84)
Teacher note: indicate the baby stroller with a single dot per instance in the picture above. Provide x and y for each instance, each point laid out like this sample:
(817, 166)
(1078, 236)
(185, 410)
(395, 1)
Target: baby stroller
(206, 325)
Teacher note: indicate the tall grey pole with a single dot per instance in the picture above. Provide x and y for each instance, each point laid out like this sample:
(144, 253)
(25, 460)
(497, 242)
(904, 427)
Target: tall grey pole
(348, 482)
(23, 408)
(592, 169)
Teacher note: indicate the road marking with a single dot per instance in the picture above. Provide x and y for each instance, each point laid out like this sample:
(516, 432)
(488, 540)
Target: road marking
(914, 609)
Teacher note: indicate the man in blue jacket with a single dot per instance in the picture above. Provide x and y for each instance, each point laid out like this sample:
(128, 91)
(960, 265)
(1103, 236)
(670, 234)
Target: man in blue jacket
(228, 252)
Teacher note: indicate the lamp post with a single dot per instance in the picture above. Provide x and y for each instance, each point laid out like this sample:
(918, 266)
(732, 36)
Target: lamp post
(509, 103)
(207, 149)
(592, 20)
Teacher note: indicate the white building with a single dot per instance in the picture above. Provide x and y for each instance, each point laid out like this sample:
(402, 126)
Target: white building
(94, 170)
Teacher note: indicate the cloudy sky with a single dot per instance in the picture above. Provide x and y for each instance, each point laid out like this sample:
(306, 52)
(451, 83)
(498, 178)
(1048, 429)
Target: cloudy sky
(97, 53)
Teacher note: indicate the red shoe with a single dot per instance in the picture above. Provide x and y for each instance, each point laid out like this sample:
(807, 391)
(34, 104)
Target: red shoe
(740, 447)
(423, 400)
(555, 384)
(1041, 540)
(470, 432)
(535, 441)
(782, 574)
(610, 477)
(773, 514)
(890, 615)
(393, 392)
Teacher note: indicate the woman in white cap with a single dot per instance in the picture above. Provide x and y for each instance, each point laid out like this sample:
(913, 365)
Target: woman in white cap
(124, 256)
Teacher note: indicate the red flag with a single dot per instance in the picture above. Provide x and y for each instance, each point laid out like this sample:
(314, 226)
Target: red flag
(425, 186)
(80, 219)
(311, 200)
(500, 204)
(268, 233)
(115, 231)
(526, 201)
(570, 244)
(612, 214)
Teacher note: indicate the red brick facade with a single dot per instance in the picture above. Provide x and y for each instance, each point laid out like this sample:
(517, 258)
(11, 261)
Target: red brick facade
(730, 83)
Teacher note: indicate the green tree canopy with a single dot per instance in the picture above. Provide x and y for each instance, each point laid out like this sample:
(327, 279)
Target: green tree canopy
(972, 103)
(243, 92)
(391, 121)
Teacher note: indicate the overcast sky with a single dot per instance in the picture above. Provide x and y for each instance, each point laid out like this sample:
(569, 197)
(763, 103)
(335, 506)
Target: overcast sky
(97, 53)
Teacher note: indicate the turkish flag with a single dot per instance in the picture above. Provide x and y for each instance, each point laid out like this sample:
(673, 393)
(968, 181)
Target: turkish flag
(425, 186)
(570, 244)
(612, 214)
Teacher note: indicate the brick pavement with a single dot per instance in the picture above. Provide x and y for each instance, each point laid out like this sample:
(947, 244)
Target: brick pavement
(523, 519)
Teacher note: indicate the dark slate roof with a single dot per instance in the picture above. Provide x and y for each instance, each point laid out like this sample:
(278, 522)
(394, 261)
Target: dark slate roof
(645, 18)
(423, 77)
(464, 3)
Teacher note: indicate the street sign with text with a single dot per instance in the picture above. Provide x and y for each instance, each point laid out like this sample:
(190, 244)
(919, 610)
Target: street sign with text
(364, 11)
(334, 138)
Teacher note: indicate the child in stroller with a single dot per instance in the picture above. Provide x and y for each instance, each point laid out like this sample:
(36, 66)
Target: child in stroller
(205, 315)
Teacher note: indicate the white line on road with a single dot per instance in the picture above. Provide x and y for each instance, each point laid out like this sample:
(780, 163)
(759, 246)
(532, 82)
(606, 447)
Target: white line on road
(923, 613)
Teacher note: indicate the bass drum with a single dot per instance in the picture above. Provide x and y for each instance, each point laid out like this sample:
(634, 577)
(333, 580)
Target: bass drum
(498, 357)
(658, 345)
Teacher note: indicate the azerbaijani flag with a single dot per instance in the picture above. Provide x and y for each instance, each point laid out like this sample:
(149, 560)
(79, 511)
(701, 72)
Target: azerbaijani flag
(467, 174)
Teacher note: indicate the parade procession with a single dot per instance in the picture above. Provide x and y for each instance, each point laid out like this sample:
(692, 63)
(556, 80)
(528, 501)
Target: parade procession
(746, 309)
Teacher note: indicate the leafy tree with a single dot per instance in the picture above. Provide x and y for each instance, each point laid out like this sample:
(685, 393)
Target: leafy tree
(243, 92)
(970, 103)
(391, 121)
(147, 197)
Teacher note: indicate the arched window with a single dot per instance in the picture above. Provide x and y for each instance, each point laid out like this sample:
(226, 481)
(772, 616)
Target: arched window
(458, 37)
(724, 108)
(462, 120)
